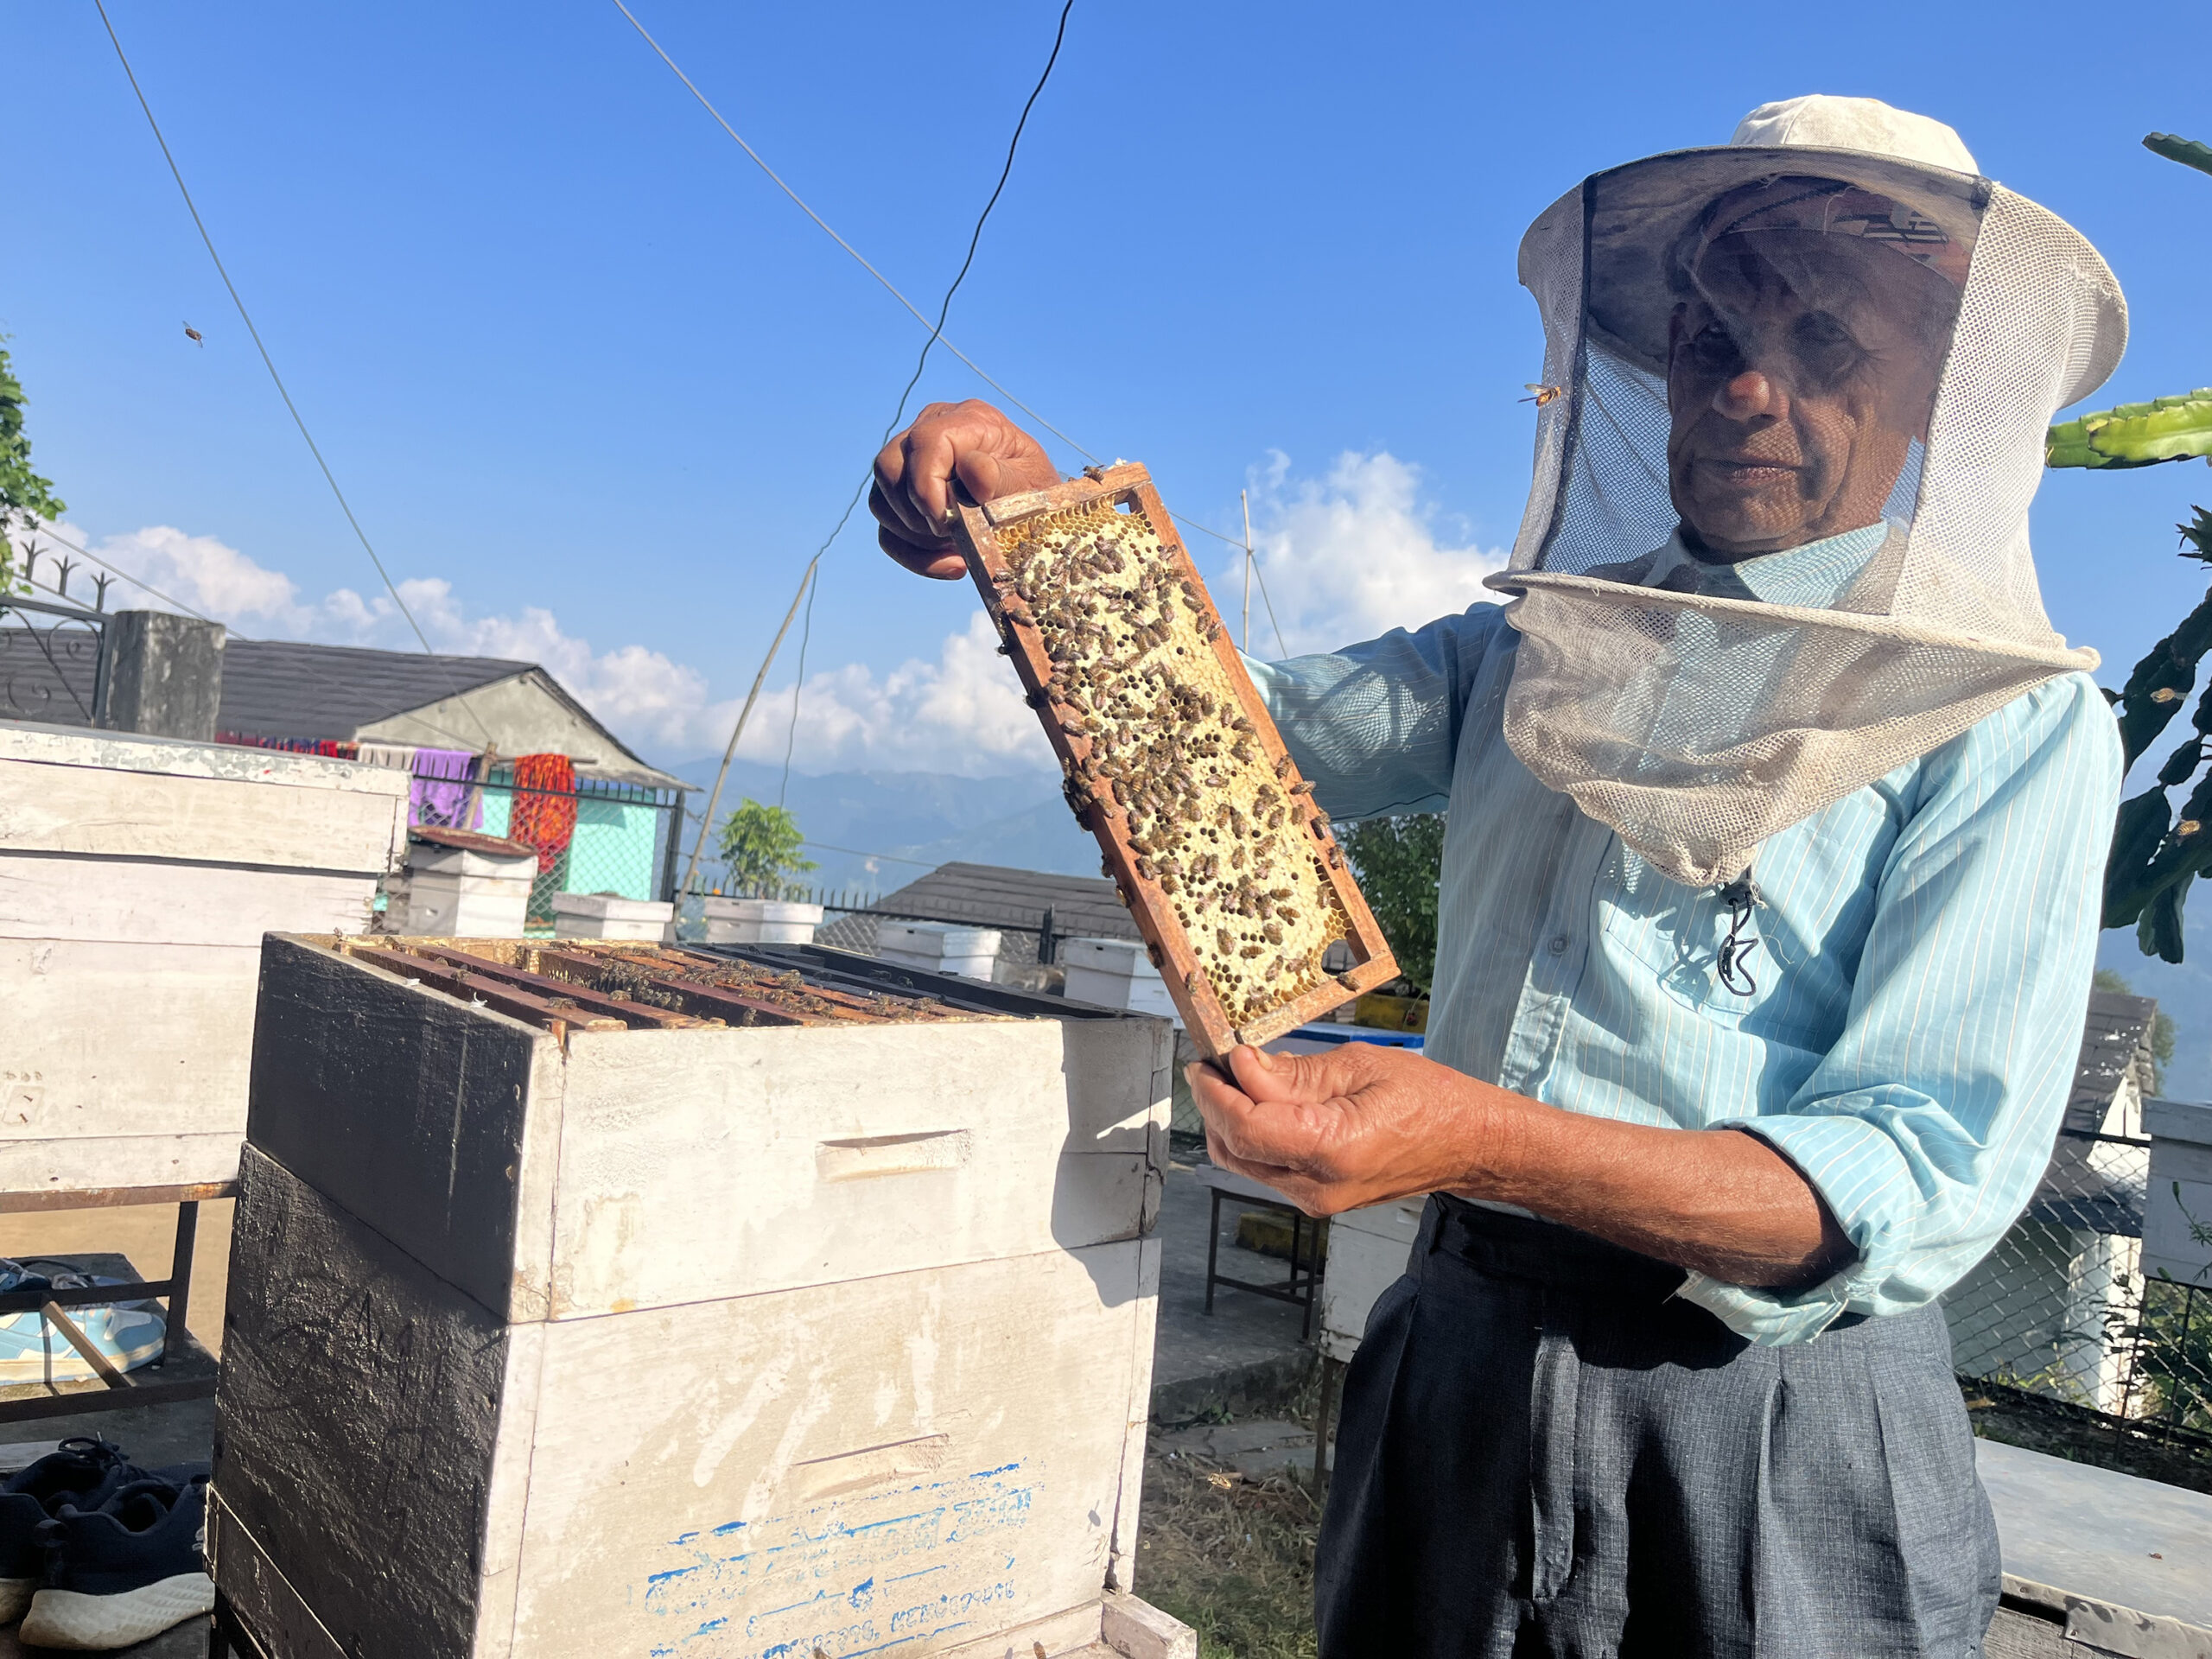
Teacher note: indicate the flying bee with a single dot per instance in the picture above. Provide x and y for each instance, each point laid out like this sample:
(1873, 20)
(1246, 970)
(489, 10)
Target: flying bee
(1543, 394)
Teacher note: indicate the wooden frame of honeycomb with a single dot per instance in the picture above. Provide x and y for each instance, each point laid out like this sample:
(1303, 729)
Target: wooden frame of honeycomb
(1170, 760)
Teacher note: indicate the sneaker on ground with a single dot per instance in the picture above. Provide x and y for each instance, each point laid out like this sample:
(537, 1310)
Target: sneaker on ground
(85, 1473)
(124, 1573)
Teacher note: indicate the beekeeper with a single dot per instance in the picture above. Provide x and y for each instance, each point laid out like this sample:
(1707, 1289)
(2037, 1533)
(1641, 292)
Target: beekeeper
(1777, 817)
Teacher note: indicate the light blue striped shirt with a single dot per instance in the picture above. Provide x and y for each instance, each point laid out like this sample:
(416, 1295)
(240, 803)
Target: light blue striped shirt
(1926, 943)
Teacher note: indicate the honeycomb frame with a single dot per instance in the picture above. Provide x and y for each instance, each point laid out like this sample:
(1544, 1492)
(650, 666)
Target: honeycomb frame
(1169, 758)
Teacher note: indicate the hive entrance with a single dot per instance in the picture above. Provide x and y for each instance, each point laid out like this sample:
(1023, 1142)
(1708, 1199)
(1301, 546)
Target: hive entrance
(1170, 760)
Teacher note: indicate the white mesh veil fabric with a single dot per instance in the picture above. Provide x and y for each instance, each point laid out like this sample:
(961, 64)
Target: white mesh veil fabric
(1697, 720)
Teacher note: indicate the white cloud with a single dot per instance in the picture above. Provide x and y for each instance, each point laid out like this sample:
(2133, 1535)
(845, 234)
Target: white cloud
(1346, 557)
(1351, 555)
(961, 713)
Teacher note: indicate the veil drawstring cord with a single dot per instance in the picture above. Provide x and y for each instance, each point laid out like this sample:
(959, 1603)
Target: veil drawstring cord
(1742, 897)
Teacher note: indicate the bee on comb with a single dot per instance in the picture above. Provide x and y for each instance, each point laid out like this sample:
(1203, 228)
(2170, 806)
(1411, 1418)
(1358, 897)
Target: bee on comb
(1170, 758)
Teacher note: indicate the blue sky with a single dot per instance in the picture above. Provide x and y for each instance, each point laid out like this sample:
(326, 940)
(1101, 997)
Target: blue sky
(590, 379)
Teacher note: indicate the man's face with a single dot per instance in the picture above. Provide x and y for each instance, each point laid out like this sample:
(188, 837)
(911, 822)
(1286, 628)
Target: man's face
(1797, 380)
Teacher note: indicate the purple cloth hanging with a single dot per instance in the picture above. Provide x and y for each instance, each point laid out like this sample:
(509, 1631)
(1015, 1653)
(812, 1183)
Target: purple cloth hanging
(439, 795)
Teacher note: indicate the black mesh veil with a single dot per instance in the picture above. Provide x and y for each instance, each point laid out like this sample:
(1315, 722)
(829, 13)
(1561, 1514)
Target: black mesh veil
(1776, 544)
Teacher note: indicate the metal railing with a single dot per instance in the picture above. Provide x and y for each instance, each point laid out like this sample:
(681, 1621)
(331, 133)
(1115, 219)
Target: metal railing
(51, 660)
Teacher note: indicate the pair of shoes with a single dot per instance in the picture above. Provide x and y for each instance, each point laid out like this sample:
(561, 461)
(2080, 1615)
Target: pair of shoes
(130, 1334)
(124, 1571)
(82, 1472)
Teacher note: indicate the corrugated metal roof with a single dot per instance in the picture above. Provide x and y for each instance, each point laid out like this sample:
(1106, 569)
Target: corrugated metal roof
(284, 687)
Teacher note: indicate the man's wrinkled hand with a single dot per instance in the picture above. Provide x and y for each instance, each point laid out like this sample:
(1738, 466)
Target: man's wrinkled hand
(1357, 1124)
(912, 496)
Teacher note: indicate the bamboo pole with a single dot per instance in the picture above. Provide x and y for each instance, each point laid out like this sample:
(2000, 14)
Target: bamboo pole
(1245, 497)
(714, 796)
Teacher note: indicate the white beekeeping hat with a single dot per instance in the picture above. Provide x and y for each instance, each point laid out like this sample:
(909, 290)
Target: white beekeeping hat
(1776, 544)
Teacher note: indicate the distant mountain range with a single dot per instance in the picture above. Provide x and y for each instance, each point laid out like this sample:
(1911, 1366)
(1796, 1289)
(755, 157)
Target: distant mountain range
(881, 829)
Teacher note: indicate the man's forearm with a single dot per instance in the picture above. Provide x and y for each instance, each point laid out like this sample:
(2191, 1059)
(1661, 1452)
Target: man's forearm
(1719, 1201)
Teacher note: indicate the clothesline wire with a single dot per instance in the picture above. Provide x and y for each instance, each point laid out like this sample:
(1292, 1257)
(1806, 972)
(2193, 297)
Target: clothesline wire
(888, 286)
(270, 362)
(921, 362)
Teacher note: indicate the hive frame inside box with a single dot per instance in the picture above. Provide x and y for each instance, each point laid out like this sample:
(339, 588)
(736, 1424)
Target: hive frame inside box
(982, 531)
(511, 1159)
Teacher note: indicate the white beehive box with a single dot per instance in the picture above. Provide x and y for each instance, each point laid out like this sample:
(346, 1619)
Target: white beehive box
(940, 947)
(1368, 1249)
(460, 883)
(1115, 974)
(604, 916)
(740, 1342)
(138, 875)
(761, 921)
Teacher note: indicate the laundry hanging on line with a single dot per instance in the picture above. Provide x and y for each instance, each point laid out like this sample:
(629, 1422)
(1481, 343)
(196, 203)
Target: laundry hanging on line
(398, 756)
(329, 747)
(441, 796)
(543, 813)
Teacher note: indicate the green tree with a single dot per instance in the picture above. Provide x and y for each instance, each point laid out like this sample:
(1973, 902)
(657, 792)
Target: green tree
(2162, 1029)
(761, 846)
(1398, 862)
(25, 496)
(2155, 853)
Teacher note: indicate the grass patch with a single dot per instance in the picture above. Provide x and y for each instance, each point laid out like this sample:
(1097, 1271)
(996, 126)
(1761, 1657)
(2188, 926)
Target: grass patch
(1231, 1558)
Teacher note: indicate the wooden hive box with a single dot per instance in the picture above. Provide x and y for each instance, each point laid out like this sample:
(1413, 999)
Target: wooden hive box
(138, 875)
(710, 1340)
(1171, 759)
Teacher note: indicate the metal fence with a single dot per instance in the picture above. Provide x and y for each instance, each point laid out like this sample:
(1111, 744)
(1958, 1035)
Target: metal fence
(2061, 1310)
(50, 659)
(621, 840)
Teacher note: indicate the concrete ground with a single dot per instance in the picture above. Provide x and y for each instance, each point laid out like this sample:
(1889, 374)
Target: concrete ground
(1249, 1350)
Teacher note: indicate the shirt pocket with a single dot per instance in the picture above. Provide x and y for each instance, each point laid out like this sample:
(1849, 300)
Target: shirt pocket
(1668, 939)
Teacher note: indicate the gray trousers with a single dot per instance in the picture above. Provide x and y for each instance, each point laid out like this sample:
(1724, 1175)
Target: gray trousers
(1543, 1453)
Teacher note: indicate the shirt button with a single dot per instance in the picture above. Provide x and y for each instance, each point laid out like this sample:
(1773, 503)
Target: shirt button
(1558, 946)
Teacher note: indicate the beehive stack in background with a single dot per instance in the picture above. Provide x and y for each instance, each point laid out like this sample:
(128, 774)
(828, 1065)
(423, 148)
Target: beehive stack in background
(461, 881)
(1171, 760)
(607, 1299)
